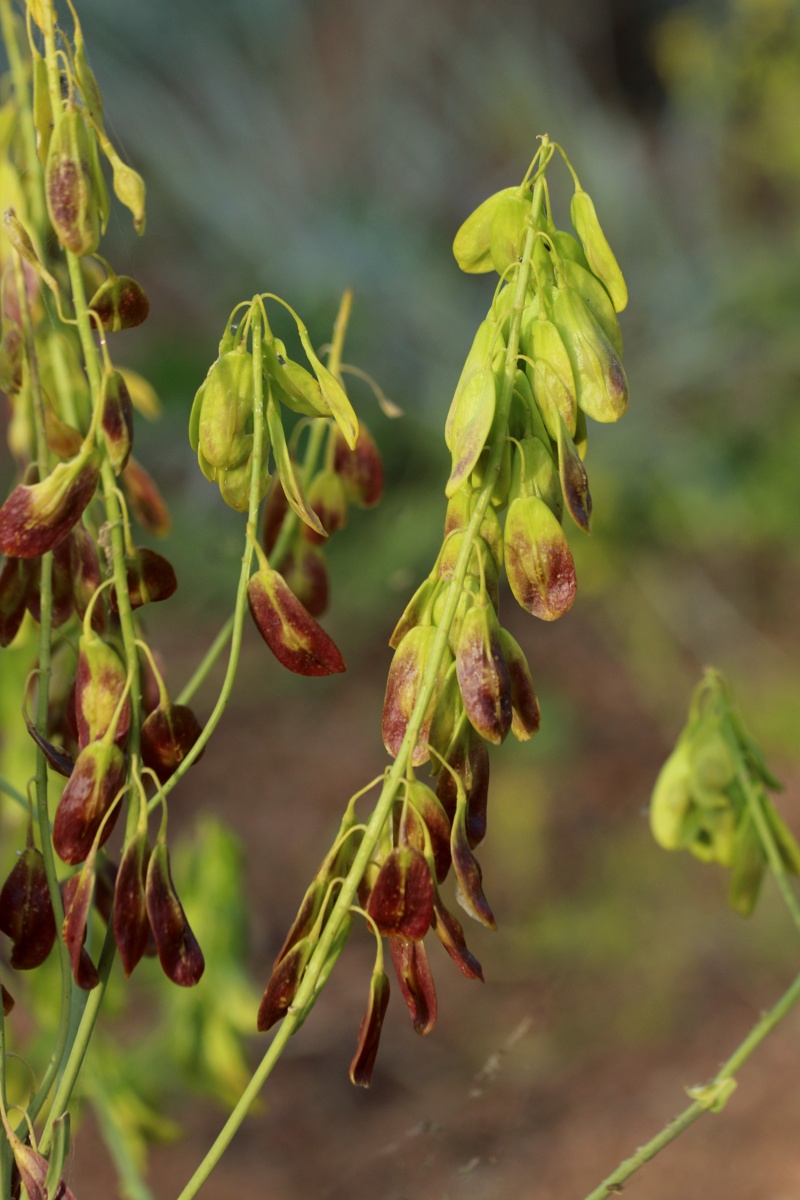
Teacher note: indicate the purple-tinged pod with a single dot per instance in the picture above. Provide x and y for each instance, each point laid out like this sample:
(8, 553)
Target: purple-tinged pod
(449, 932)
(369, 1031)
(96, 779)
(401, 900)
(8, 1000)
(416, 982)
(145, 501)
(468, 757)
(26, 911)
(99, 685)
(326, 495)
(178, 951)
(539, 562)
(600, 382)
(77, 896)
(472, 243)
(63, 439)
(447, 712)
(306, 576)
(275, 510)
(150, 576)
(130, 921)
(406, 676)
(85, 574)
(292, 634)
(167, 736)
(425, 811)
(283, 984)
(33, 1170)
(15, 584)
(72, 190)
(417, 611)
(61, 762)
(483, 674)
(526, 717)
(468, 873)
(574, 480)
(360, 469)
(36, 517)
(120, 303)
(116, 420)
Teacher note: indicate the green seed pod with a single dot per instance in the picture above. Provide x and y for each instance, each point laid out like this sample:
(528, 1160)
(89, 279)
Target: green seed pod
(543, 273)
(597, 250)
(567, 247)
(225, 419)
(600, 382)
(417, 611)
(472, 243)
(712, 759)
(552, 377)
(234, 482)
(128, 187)
(748, 868)
(120, 303)
(499, 497)
(292, 634)
(472, 422)
(292, 384)
(286, 471)
(532, 420)
(74, 204)
(42, 109)
(596, 299)
(485, 345)
(116, 420)
(509, 226)
(533, 473)
(459, 510)
(483, 674)
(539, 562)
(671, 802)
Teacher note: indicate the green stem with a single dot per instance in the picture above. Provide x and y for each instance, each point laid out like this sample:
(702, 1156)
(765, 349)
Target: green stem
(615, 1181)
(210, 657)
(306, 993)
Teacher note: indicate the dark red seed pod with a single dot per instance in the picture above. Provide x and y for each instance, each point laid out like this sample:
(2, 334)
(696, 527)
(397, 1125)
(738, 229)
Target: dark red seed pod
(8, 1000)
(538, 559)
(276, 507)
(449, 932)
(361, 469)
(178, 951)
(292, 634)
(483, 674)
(326, 495)
(468, 873)
(369, 1032)
(37, 516)
(468, 757)
(425, 811)
(401, 901)
(120, 303)
(16, 580)
(131, 924)
(526, 717)
(96, 779)
(283, 984)
(77, 894)
(416, 982)
(145, 501)
(116, 420)
(32, 1170)
(306, 577)
(167, 736)
(26, 911)
(61, 762)
(150, 576)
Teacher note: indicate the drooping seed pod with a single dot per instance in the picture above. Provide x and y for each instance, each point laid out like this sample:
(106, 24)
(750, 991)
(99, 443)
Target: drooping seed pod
(222, 414)
(468, 872)
(449, 932)
(291, 633)
(97, 777)
(457, 516)
(120, 303)
(36, 517)
(468, 758)
(748, 868)
(326, 495)
(15, 584)
(291, 384)
(100, 682)
(360, 469)
(77, 897)
(167, 736)
(406, 676)
(416, 982)
(74, 199)
(552, 377)
(596, 299)
(26, 911)
(472, 243)
(534, 473)
(426, 812)
(150, 576)
(417, 611)
(671, 801)
(600, 382)
(116, 420)
(526, 716)
(483, 674)
(306, 577)
(598, 253)
(401, 900)
(61, 762)
(275, 510)
(369, 1031)
(178, 951)
(144, 499)
(287, 472)
(130, 921)
(539, 562)
(574, 480)
(283, 984)
(472, 422)
(34, 1170)
(486, 345)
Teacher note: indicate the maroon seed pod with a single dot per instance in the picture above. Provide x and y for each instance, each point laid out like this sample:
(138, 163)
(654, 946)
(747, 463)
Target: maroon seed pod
(178, 951)
(145, 500)
(62, 599)
(105, 883)
(26, 912)
(306, 576)
(85, 573)
(425, 808)
(406, 675)
(116, 420)
(150, 577)
(416, 982)
(306, 916)
(369, 1031)
(539, 562)
(33, 1170)
(275, 510)
(292, 634)
(468, 757)
(283, 984)
(483, 674)
(120, 303)
(361, 469)
(131, 924)
(151, 693)
(99, 686)
(326, 495)
(36, 517)
(15, 584)
(527, 715)
(449, 932)
(167, 736)
(96, 779)
(468, 873)
(77, 893)
(401, 901)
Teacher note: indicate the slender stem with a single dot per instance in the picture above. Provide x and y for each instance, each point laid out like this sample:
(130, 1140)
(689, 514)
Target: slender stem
(208, 660)
(770, 848)
(306, 993)
(615, 1181)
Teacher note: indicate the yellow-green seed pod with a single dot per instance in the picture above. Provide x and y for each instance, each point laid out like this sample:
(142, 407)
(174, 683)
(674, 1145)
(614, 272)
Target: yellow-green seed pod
(543, 273)
(499, 497)
(534, 473)
(552, 378)
(509, 225)
(292, 384)
(472, 243)
(596, 299)
(42, 109)
(472, 422)
(671, 802)
(567, 247)
(539, 562)
(597, 250)
(128, 187)
(747, 869)
(487, 341)
(533, 419)
(234, 483)
(224, 425)
(711, 756)
(70, 186)
(600, 382)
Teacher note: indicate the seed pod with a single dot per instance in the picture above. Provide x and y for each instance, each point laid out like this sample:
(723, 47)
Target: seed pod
(77, 896)
(552, 377)
(61, 585)
(131, 925)
(361, 469)
(283, 984)
(150, 577)
(406, 675)
(145, 500)
(526, 717)
(36, 517)
(533, 473)
(61, 762)
(416, 982)
(459, 510)
(100, 683)
(416, 612)
(472, 422)
(96, 779)
(426, 809)
(326, 495)
(85, 574)
(748, 869)
(291, 633)
(472, 243)
(509, 226)
(499, 497)
(449, 932)
(711, 759)
(600, 382)
(671, 802)
(167, 736)
(568, 248)
(488, 341)
(116, 420)
(286, 471)
(596, 299)
(234, 482)
(468, 873)
(26, 912)
(16, 580)
(120, 303)
(275, 510)
(483, 674)
(369, 1031)
(574, 480)
(74, 202)
(178, 951)
(33, 1171)
(597, 250)
(42, 109)
(448, 710)
(306, 577)
(539, 562)
(333, 394)
(468, 757)
(291, 384)
(480, 554)
(401, 900)
(222, 414)
(128, 187)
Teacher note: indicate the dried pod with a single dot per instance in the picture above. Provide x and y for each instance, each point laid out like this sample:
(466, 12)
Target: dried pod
(145, 500)
(167, 736)
(369, 1031)
(326, 495)
(131, 924)
(526, 717)
(291, 633)
(178, 951)
(449, 932)
(61, 762)
(96, 779)
(598, 253)
(15, 583)
(77, 895)
(120, 303)
(472, 243)
(74, 191)
(100, 683)
(539, 562)
(360, 469)
(116, 420)
(406, 676)
(36, 517)
(416, 982)
(401, 900)
(150, 576)
(26, 911)
(283, 984)
(483, 674)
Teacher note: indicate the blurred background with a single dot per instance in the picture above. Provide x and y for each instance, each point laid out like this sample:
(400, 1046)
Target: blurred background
(303, 146)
